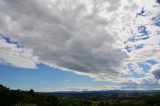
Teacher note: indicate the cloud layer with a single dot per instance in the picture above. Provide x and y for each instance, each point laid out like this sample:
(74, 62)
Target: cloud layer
(105, 39)
(17, 57)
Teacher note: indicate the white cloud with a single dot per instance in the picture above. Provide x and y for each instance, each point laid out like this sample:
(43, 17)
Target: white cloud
(66, 80)
(18, 57)
(82, 88)
(86, 37)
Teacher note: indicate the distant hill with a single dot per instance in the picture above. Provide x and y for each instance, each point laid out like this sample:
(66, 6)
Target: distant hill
(109, 91)
(9, 97)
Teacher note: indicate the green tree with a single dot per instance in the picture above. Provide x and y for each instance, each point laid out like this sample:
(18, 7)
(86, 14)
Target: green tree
(31, 92)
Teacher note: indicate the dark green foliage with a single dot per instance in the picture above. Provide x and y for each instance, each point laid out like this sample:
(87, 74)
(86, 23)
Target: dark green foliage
(22, 98)
(31, 92)
(86, 103)
(67, 102)
(30, 98)
(52, 100)
(103, 103)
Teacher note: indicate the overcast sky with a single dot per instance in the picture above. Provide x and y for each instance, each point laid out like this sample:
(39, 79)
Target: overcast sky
(80, 44)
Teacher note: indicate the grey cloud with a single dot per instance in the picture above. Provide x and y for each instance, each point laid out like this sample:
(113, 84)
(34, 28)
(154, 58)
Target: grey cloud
(64, 35)
(114, 5)
(130, 85)
(156, 74)
(145, 85)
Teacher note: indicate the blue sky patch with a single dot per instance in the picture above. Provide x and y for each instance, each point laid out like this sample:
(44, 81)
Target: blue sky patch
(139, 46)
(146, 67)
(156, 20)
(152, 62)
(130, 67)
(141, 13)
(42, 77)
(128, 48)
(143, 34)
(134, 75)
(135, 47)
(158, 1)
(143, 30)
(9, 40)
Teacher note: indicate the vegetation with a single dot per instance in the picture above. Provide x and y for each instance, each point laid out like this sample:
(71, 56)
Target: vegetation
(30, 98)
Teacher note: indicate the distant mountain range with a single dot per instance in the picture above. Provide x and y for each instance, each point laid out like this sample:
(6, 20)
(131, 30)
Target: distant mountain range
(108, 91)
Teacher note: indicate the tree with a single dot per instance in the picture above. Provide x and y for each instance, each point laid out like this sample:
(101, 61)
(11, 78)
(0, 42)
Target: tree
(31, 92)
(101, 103)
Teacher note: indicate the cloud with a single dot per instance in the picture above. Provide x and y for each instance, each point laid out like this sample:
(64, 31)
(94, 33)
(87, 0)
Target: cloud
(65, 34)
(81, 88)
(156, 74)
(156, 71)
(87, 37)
(136, 86)
(66, 80)
(17, 57)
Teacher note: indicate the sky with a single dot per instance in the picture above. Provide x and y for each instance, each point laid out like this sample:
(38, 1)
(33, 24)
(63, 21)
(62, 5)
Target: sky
(79, 45)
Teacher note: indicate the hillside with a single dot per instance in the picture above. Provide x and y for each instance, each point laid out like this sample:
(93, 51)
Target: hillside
(10, 97)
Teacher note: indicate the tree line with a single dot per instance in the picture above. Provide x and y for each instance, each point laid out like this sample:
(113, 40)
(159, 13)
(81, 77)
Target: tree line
(9, 97)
